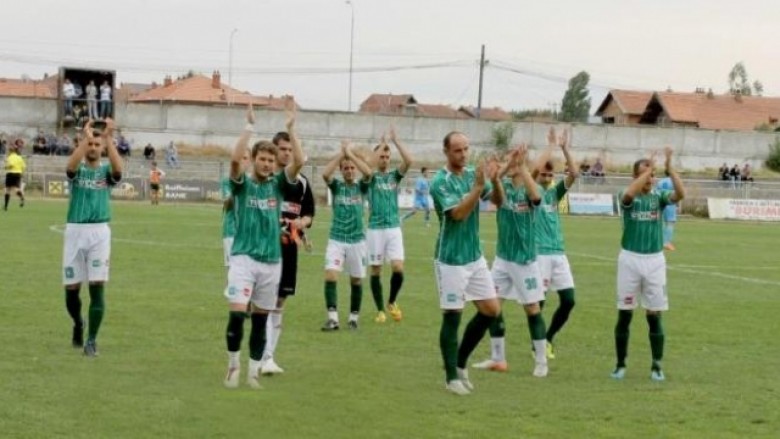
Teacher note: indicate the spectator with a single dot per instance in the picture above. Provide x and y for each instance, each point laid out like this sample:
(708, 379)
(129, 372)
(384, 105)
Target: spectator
(3, 144)
(92, 100)
(585, 168)
(734, 175)
(105, 100)
(39, 144)
(723, 172)
(149, 152)
(747, 173)
(172, 156)
(597, 170)
(123, 147)
(68, 94)
(63, 145)
(79, 115)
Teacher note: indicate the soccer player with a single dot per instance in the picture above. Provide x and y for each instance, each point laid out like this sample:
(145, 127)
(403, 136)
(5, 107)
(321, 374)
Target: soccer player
(255, 259)
(384, 239)
(462, 274)
(515, 271)
(346, 242)
(155, 176)
(297, 215)
(87, 247)
(421, 192)
(553, 263)
(670, 214)
(641, 268)
(14, 168)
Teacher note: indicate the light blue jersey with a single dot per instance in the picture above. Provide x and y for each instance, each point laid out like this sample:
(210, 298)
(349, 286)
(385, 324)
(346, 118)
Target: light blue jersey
(670, 211)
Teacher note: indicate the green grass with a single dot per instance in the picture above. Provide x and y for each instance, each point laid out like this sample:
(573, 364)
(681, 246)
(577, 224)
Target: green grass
(163, 352)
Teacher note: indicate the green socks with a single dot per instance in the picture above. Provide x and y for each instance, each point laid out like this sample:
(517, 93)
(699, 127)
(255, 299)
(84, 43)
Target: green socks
(376, 291)
(621, 336)
(331, 300)
(498, 328)
(97, 308)
(561, 314)
(536, 326)
(656, 334)
(448, 342)
(475, 330)
(355, 298)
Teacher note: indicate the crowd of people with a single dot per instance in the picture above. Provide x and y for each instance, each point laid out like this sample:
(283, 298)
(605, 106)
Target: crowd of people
(734, 175)
(87, 102)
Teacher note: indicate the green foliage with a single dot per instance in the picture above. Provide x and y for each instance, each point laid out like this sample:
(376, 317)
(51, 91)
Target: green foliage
(773, 161)
(739, 82)
(534, 113)
(163, 342)
(575, 106)
(502, 134)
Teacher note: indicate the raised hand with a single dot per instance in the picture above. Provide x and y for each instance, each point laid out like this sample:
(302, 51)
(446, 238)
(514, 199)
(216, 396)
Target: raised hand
(668, 151)
(110, 128)
(393, 137)
(480, 174)
(491, 167)
(250, 113)
(551, 137)
(521, 154)
(89, 132)
(291, 112)
(563, 139)
(345, 148)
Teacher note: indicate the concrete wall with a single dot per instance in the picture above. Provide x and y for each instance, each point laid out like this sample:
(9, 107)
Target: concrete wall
(322, 131)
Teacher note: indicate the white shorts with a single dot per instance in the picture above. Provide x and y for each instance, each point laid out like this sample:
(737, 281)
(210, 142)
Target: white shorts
(641, 276)
(227, 246)
(459, 284)
(522, 283)
(556, 272)
(86, 254)
(384, 245)
(353, 256)
(253, 281)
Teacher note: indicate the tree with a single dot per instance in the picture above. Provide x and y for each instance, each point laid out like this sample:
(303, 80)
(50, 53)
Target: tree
(502, 135)
(575, 106)
(739, 82)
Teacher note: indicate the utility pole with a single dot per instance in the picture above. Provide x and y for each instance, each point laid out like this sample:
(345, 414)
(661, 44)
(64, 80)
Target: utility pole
(481, 76)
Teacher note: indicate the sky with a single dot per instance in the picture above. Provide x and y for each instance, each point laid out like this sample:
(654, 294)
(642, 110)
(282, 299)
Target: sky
(428, 48)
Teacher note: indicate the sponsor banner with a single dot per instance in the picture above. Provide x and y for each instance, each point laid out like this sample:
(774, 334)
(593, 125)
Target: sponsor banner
(753, 210)
(590, 204)
(181, 190)
(58, 186)
(212, 191)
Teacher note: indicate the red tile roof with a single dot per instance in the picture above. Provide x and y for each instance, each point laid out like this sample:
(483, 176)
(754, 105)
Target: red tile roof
(386, 103)
(719, 112)
(199, 89)
(629, 101)
(46, 88)
(494, 113)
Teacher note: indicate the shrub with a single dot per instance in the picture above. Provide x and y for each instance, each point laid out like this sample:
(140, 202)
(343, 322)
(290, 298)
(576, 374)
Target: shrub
(502, 135)
(773, 161)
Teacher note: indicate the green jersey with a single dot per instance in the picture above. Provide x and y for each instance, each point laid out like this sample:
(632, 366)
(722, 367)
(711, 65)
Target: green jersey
(516, 222)
(458, 241)
(228, 215)
(347, 224)
(549, 237)
(90, 192)
(383, 199)
(643, 222)
(257, 207)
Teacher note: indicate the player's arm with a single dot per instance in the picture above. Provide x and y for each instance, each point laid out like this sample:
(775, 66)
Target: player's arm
(679, 189)
(636, 186)
(330, 168)
(296, 164)
(307, 207)
(361, 164)
(498, 194)
(81, 150)
(564, 141)
(242, 145)
(406, 156)
(113, 154)
(546, 154)
(463, 209)
(531, 188)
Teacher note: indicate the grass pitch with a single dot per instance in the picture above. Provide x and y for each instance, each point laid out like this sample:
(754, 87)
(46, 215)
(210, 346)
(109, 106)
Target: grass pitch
(163, 352)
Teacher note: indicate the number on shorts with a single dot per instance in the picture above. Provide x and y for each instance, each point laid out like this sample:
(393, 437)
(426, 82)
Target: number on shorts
(530, 283)
(69, 274)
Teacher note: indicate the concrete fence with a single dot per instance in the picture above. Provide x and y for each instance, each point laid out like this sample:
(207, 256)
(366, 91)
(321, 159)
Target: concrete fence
(322, 131)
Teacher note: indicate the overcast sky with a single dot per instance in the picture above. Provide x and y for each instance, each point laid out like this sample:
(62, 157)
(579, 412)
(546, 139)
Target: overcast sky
(649, 45)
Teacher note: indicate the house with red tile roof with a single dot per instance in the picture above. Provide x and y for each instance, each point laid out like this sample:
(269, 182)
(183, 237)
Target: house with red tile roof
(202, 90)
(623, 107)
(711, 111)
(29, 88)
(407, 105)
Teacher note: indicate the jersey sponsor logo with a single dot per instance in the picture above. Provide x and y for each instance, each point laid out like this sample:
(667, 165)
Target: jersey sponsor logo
(353, 200)
(289, 207)
(86, 183)
(645, 216)
(389, 186)
(261, 203)
(549, 208)
(517, 207)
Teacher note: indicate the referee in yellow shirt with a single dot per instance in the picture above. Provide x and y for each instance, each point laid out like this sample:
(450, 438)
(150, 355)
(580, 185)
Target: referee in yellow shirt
(14, 167)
